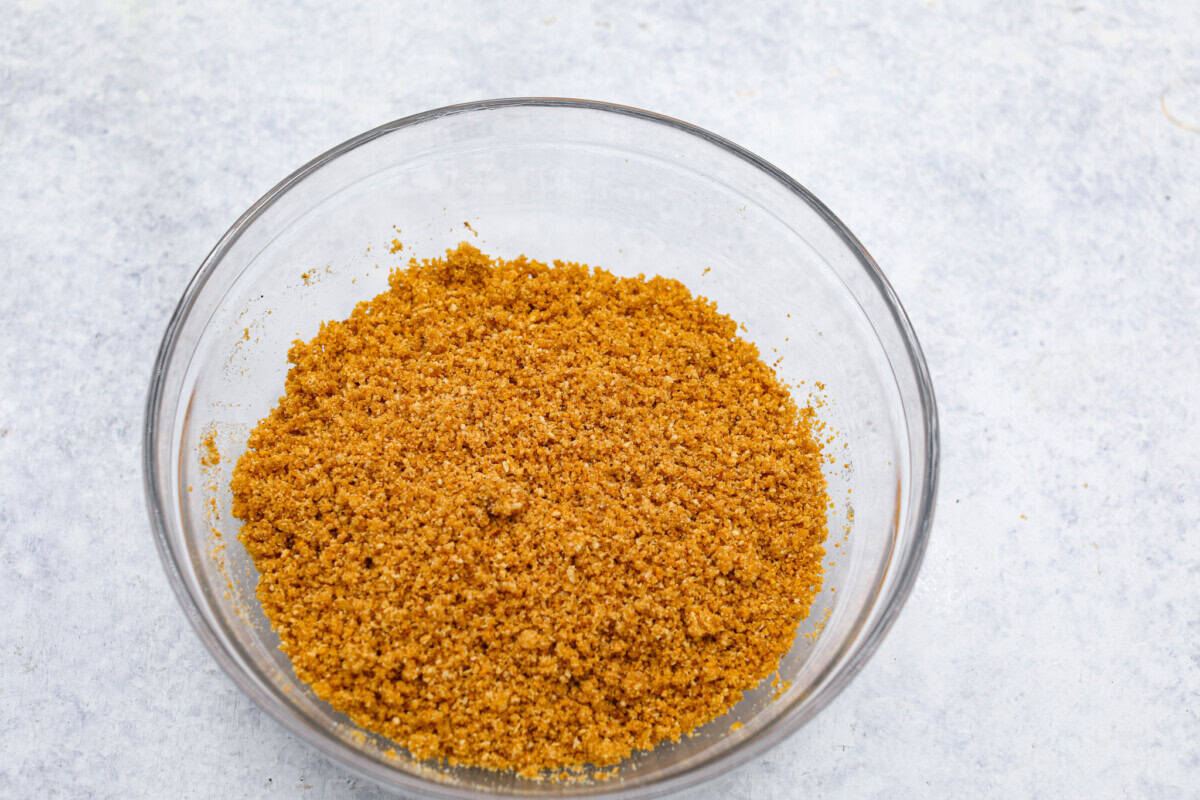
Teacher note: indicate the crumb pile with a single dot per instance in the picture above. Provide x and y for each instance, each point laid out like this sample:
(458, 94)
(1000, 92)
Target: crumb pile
(525, 517)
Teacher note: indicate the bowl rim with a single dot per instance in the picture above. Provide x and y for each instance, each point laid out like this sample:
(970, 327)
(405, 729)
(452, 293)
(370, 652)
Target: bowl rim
(754, 745)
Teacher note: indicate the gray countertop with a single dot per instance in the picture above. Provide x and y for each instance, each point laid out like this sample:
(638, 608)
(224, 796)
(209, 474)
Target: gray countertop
(1028, 177)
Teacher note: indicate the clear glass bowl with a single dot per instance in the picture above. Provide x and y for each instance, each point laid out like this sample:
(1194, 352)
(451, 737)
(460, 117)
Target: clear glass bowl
(607, 185)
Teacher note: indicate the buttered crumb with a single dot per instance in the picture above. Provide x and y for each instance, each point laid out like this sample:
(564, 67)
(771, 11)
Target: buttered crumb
(209, 455)
(528, 517)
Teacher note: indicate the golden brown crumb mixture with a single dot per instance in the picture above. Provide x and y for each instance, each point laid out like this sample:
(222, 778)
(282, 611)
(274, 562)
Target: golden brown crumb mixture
(524, 516)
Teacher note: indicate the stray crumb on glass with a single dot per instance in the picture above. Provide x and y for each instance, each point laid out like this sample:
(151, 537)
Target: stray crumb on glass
(209, 455)
(533, 517)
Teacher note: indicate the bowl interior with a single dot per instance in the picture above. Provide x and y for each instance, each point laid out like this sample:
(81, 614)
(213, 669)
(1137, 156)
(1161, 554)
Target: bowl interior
(628, 192)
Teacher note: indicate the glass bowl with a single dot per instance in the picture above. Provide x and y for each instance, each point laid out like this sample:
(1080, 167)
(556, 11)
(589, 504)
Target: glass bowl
(610, 186)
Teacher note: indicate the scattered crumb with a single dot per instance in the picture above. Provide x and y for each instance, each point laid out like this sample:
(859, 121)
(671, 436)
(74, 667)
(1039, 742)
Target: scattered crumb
(605, 774)
(815, 633)
(397, 246)
(209, 455)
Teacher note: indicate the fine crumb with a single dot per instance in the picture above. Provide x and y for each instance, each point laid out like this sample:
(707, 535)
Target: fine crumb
(530, 517)
(815, 633)
(209, 455)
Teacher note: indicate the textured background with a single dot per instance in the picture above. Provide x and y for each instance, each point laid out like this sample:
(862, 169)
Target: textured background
(1028, 176)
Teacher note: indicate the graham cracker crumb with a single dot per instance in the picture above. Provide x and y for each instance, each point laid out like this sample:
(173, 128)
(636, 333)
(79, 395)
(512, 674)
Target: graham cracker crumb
(209, 455)
(531, 517)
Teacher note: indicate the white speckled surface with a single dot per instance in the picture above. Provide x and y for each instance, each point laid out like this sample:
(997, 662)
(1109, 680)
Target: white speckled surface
(1029, 178)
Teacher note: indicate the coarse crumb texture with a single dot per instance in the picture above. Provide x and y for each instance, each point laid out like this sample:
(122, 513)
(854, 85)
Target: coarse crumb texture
(526, 517)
